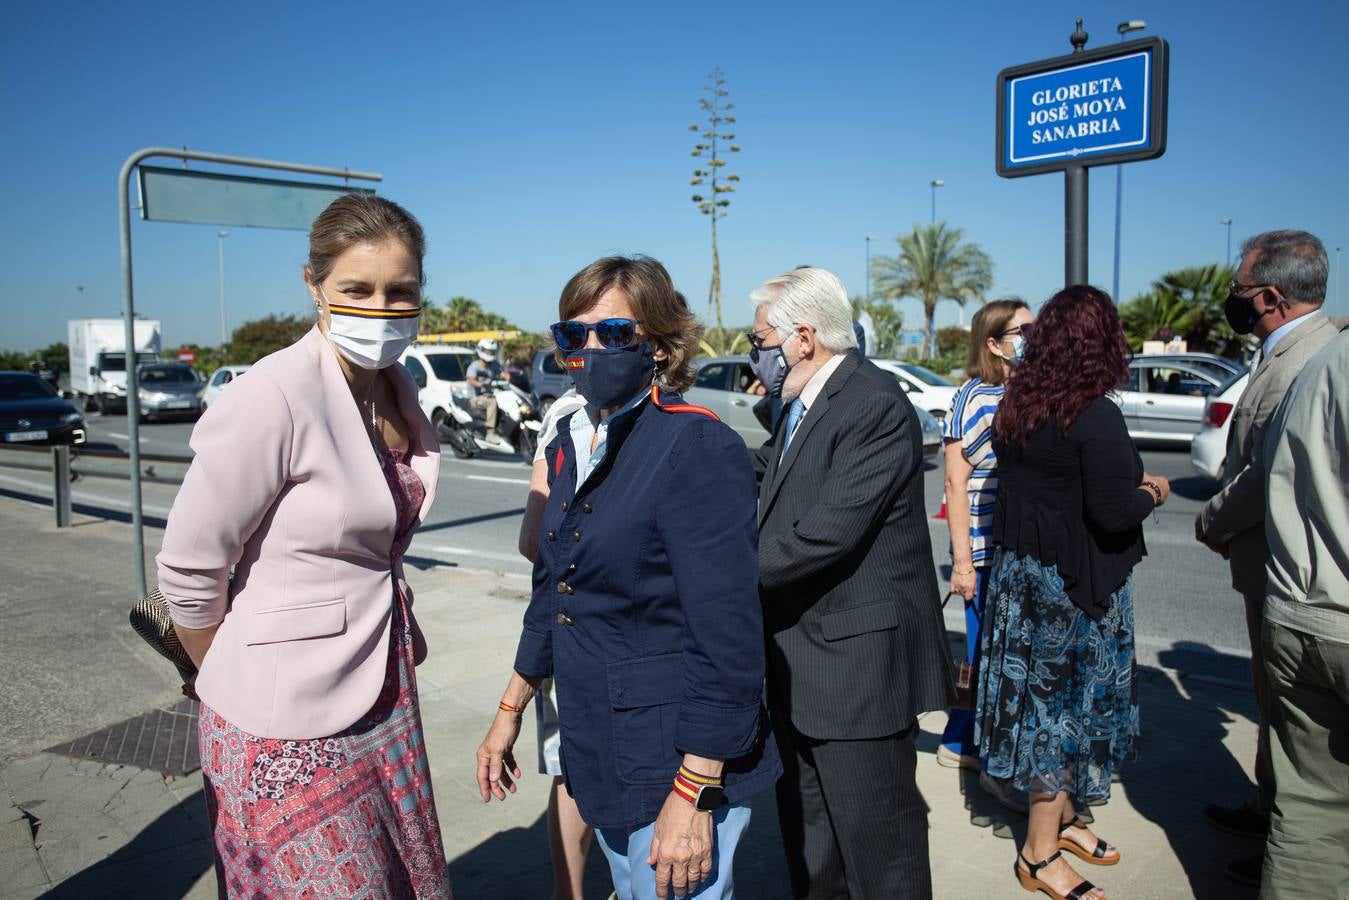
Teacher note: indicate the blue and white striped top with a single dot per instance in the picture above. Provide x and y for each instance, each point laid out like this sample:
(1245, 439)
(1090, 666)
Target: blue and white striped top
(970, 421)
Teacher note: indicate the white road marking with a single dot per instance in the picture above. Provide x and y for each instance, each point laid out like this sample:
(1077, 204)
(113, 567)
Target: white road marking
(121, 437)
(523, 481)
(464, 551)
(82, 496)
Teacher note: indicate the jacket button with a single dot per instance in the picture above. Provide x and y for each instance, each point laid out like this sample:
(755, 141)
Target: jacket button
(576, 535)
(564, 619)
(552, 535)
(564, 505)
(563, 587)
(585, 507)
(571, 567)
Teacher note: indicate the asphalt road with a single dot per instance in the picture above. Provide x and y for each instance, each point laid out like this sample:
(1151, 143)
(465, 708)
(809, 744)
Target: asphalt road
(1186, 613)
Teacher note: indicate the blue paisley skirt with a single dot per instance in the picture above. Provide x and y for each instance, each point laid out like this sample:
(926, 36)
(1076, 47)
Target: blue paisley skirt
(1058, 702)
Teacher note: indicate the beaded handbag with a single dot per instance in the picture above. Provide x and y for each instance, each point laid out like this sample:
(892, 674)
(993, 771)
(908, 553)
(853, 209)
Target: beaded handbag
(150, 619)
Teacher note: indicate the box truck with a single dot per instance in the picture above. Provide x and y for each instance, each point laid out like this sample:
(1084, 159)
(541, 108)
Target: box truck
(98, 359)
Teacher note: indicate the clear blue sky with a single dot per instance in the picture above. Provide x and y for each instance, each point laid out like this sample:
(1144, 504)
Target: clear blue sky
(533, 137)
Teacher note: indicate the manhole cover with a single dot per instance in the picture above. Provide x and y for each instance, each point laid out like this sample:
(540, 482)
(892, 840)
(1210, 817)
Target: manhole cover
(163, 740)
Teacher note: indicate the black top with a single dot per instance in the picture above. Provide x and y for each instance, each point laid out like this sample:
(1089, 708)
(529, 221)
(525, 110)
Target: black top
(1072, 500)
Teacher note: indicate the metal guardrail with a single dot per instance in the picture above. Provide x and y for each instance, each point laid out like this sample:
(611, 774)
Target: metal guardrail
(99, 453)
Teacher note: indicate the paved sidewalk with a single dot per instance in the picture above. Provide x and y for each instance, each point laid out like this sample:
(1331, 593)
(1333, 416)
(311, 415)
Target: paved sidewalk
(80, 829)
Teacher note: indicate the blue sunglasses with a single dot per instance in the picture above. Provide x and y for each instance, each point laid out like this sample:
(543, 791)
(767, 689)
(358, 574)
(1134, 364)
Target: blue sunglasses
(612, 333)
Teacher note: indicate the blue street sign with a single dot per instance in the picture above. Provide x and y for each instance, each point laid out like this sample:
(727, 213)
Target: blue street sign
(1085, 109)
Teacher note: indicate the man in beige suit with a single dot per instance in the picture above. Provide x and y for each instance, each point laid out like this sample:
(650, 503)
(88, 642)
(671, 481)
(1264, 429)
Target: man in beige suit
(1277, 295)
(1306, 638)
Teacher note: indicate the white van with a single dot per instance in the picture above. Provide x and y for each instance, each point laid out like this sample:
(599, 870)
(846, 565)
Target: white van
(439, 370)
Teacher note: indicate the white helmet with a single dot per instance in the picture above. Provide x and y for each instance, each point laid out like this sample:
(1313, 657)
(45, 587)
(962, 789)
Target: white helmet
(487, 349)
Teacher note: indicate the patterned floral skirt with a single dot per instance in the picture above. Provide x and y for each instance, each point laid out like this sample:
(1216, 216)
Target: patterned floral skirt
(351, 815)
(1058, 702)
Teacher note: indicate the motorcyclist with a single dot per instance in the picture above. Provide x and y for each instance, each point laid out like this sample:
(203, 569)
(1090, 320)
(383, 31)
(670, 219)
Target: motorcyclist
(481, 373)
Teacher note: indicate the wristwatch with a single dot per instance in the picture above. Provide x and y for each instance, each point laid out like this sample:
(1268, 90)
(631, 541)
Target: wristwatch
(710, 797)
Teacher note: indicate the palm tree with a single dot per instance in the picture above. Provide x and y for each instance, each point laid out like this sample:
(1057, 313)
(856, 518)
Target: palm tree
(933, 265)
(1187, 303)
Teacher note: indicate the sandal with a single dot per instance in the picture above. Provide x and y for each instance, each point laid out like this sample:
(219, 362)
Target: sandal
(1032, 883)
(1096, 856)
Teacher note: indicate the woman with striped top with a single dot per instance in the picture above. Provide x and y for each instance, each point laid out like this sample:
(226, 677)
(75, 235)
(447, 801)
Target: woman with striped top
(972, 485)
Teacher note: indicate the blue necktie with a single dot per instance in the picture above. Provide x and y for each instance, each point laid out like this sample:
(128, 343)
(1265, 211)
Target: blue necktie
(794, 414)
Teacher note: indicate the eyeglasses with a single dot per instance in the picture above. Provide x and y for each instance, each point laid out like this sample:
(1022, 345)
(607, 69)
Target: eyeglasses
(1236, 287)
(1024, 330)
(613, 334)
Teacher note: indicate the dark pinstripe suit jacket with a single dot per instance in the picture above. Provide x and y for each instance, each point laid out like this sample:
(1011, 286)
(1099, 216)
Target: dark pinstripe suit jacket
(856, 643)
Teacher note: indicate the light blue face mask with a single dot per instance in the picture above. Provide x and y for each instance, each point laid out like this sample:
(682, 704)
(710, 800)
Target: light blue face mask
(1018, 349)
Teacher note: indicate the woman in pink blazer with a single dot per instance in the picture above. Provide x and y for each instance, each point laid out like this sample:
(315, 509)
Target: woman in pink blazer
(310, 475)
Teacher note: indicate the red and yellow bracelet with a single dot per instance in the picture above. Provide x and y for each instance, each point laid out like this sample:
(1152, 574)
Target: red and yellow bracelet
(506, 707)
(687, 783)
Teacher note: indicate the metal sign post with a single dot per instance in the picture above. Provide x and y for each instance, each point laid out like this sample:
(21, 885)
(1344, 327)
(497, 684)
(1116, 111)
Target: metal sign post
(1088, 108)
(208, 199)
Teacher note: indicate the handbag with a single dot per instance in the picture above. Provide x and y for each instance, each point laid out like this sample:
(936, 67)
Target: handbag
(964, 674)
(150, 619)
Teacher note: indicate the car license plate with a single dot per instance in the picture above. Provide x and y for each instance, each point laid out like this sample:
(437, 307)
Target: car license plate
(18, 436)
(178, 404)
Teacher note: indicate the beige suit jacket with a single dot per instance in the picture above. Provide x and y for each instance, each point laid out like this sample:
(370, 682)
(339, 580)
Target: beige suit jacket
(1235, 516)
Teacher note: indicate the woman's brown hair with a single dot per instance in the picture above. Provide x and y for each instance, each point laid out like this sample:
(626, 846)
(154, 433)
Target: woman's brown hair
(989, 322)
(360, 218)
(665, 316)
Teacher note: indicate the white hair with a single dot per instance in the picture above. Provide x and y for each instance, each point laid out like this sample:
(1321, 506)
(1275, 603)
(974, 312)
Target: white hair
(808, 296)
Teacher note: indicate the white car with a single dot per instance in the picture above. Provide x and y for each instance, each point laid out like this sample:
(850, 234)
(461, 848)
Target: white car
(1208, 451)
(216, 383)
(926, 389)
(441, 372)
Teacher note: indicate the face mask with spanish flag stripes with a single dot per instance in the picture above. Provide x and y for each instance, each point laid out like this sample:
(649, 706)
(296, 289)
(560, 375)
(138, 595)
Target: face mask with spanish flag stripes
(372, 338)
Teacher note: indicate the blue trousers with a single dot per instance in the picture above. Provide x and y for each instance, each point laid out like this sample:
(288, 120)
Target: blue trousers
(626, 852)
(959, 734)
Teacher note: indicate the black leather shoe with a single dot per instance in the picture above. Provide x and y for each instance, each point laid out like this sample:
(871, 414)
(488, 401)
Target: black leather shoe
(1245, 870)
(1239, 820)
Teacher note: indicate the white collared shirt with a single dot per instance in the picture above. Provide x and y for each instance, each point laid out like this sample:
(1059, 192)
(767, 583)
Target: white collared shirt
(586, 425)
(1283, 330)
(811, 391)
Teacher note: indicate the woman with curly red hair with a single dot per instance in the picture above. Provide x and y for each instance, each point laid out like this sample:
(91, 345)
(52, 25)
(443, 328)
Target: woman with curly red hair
(1058, 704)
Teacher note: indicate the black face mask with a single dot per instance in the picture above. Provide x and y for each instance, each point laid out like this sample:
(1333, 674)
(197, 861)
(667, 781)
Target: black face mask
(610, 377)
(1240, 313)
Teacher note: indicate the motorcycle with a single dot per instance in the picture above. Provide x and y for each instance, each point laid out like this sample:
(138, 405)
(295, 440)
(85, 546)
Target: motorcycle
(464, 429)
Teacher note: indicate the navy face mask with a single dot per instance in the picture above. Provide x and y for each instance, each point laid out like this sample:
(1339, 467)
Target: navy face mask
(770, 366)
(611, 377)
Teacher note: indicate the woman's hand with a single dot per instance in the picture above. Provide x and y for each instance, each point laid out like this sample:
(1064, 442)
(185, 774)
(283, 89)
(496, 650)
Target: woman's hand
(196, 641)
(681, 847)
(1163, 486)
(964, 582)
(497, 770)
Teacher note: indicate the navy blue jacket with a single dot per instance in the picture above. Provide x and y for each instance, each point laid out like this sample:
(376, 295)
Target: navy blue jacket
(646, 613)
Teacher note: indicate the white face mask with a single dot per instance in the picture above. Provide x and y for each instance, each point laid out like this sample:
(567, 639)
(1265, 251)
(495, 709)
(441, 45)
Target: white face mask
(371, 338)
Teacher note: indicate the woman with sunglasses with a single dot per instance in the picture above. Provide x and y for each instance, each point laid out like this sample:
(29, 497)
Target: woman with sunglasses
(310, 477)
(998, 334)
(645, 609)
(1058, 703)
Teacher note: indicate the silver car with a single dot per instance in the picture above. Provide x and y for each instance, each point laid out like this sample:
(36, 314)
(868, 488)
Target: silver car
(1165, 397)
(722, 385)
(169, 389)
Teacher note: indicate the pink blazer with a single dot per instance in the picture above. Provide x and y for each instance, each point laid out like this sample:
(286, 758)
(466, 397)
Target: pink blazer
(286, 489)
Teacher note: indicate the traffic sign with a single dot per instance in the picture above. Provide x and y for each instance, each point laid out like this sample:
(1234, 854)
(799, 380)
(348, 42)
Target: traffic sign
(1092, 108)
(187, 355)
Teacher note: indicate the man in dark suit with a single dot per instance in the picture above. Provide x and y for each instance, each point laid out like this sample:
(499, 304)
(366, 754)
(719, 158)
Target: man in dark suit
(856, 643)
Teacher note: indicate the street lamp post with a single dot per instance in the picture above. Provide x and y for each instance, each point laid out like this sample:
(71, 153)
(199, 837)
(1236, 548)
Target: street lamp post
(1227, 260)
(224, 331)
(867, 297)
(1123, 28)
(1339, 297)
(936, 183)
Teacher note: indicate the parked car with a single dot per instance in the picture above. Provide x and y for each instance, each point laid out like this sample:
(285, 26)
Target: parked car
(722, 385)
(1208, 451)
(439, 370)
(32, 413)
(216, 383)
(1164, 398)
(1218, 365)
(169, 389)
(926, 389)
(548, 379)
